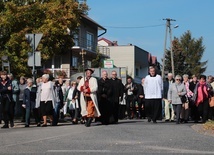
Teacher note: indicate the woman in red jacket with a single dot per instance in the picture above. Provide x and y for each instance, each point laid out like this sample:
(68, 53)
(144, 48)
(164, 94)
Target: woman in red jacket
(202, 99)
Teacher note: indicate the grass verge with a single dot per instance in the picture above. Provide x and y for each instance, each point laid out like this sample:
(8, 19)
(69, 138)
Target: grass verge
(209, 125)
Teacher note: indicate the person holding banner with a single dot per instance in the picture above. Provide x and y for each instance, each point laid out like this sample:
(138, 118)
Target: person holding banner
(88, 97)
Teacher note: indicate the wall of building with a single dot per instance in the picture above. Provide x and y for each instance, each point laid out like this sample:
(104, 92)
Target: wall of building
(102, 43)
(123, 56)
(141, 63)
(84, 29)
(133, 58)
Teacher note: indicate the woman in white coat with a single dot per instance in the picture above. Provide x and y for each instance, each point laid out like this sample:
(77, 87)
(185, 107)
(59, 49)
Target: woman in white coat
(46, 99)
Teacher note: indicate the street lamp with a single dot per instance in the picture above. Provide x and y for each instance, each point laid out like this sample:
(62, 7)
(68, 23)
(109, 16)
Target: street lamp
(5, 62)
(176, 26)
(171, 52)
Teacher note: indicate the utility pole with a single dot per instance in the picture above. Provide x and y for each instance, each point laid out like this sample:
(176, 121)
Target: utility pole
(34, 59)
(168, 26)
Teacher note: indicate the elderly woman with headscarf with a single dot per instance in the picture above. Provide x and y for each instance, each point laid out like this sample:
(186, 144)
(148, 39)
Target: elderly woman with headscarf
(46, 99)
(175, 92)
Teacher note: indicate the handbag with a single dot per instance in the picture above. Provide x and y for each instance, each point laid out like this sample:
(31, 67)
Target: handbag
(211, 102)
(72, 105)
(123, 101)
(183, 99)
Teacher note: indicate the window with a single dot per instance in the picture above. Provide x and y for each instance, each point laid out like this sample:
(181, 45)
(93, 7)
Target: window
(76, 40)
(90, 40)
(74, 62)
(76, 37)
(57, 62)
(88, 63)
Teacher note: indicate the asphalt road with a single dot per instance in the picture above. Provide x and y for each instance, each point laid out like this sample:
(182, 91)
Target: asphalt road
(134, 137)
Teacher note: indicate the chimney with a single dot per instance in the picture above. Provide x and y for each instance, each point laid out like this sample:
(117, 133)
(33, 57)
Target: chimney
(114, 43)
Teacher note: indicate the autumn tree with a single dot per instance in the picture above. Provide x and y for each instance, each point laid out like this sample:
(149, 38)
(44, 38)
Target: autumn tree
(187, 52)
(178, 58)
(98, 61)
(53, 18)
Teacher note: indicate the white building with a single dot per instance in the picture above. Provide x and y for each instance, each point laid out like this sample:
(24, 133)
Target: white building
(130, 56)
(133, 58)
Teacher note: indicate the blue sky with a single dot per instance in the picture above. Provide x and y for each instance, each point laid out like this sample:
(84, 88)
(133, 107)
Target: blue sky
(194, 15)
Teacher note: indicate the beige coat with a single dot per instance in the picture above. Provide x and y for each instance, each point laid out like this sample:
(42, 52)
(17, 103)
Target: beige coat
(93, 87)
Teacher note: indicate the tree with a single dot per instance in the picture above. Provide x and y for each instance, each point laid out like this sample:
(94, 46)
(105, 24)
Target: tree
(50, 17)
(178, 58)
(187, 52)
(193, 50)
(98, 61)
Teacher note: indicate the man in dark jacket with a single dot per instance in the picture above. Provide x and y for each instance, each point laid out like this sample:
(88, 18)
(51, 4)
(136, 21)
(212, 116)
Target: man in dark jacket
(168, 110)
(131, 95)
(141, 100)
(14, 110)
(59, 104)
(118, 90)
(104, 98)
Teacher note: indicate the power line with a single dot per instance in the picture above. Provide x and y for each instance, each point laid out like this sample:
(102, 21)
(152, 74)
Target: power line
(212, 71)
(133, 27)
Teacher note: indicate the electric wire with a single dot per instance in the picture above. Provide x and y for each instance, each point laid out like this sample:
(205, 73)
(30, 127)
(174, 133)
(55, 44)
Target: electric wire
(133, 27)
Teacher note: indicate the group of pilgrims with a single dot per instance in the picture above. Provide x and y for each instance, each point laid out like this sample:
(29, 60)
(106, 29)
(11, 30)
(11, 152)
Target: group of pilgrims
(106, 99)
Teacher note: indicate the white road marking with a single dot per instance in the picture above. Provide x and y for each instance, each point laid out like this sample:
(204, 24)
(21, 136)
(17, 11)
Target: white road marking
(79, 151)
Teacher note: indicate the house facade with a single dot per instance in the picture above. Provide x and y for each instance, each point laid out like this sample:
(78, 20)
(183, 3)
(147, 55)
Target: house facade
(133, 58)
(85, 40)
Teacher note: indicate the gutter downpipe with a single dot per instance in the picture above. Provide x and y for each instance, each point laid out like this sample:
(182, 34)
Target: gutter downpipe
(102, 33)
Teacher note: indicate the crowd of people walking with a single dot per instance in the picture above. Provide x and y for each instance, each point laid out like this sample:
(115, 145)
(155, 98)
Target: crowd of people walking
(106, 99)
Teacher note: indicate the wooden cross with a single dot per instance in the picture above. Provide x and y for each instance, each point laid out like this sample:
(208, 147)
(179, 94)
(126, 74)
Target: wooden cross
(83, 62)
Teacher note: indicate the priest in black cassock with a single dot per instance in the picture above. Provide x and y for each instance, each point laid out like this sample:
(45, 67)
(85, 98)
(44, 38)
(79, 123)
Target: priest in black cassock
(141, 100)
(105, 98)
(117, 94)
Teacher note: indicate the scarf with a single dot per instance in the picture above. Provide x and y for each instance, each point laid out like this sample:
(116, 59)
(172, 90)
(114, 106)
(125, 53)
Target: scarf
(202, 93)
(87, 85)
(87, 82)
(29, 88)
(189, 92)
